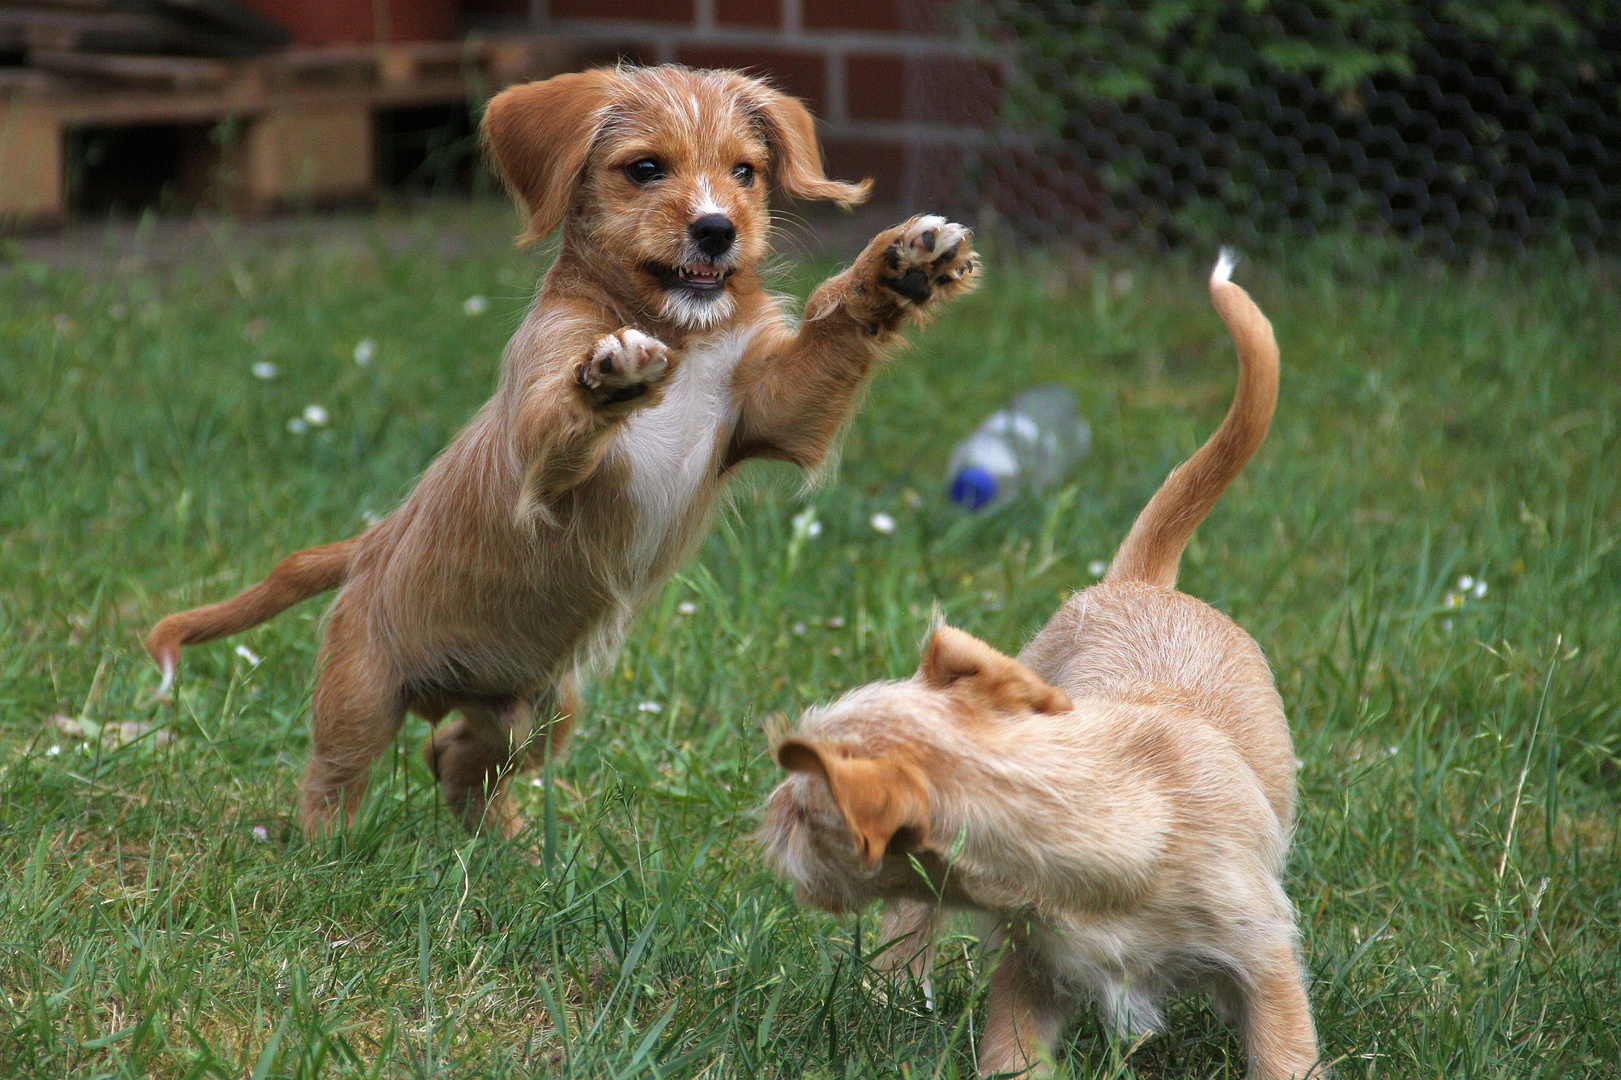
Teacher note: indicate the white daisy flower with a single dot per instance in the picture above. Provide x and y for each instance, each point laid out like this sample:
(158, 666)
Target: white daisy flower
(686, 607)
(315, 416)
(883, 523)
(248, 654)
(650, 706)
(836, 621)
(264, 369)
(1479, 591)
(805, 524)
(364, 351)
(297, 425)
(1097, 568)
(475, 305)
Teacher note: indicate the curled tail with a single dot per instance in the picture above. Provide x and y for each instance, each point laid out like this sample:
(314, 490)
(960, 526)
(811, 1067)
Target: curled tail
(1152, 550)
(297, 577)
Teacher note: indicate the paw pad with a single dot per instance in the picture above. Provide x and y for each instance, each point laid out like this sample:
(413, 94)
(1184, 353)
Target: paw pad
(623, 366)
(930, 253)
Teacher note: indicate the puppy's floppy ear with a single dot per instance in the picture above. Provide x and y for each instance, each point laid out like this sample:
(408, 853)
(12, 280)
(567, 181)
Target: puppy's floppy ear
(958, 661)
(796, 156)
(540, 134)
(883, 800)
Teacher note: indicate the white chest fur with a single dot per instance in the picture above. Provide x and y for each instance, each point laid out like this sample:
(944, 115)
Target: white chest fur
(670, 448)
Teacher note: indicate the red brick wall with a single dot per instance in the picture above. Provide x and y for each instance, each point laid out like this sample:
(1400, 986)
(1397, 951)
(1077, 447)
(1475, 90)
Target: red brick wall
(361, 22)
(900, 94)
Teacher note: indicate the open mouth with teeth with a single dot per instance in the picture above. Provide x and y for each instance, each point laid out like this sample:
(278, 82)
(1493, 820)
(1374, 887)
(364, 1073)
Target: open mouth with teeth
(693, 277)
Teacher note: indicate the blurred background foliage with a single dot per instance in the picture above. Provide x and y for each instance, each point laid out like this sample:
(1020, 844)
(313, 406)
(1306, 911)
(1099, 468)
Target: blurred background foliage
(1458, 124)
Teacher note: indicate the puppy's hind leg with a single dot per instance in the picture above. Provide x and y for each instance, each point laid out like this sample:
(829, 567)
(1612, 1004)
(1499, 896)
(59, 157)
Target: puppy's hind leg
(473, 757)
(552, 721)
(357, 710)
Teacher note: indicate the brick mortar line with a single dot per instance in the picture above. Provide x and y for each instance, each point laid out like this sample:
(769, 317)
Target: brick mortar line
(834, 75)
(807, 41)
(907, 131)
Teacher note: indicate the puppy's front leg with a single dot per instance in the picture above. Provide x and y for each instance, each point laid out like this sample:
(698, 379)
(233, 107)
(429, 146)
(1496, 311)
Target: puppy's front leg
(571, 415)
(795, 389)
(1025, 1013)
(908, 930)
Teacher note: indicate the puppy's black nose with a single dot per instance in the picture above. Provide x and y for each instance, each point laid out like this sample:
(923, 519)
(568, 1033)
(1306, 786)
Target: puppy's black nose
(713, 233)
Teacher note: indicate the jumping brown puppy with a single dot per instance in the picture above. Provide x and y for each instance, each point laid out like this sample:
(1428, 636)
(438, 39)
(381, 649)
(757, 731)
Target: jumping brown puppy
(652, 364)
(1117, 801)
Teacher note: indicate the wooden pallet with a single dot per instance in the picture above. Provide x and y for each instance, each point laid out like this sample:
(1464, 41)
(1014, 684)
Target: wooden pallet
(303, 118)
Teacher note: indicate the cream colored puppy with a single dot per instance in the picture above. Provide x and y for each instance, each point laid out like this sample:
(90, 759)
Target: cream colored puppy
(1118, 799)
(653, 363)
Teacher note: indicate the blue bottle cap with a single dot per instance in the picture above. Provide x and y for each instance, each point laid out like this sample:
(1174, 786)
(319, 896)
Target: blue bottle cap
(973, 488)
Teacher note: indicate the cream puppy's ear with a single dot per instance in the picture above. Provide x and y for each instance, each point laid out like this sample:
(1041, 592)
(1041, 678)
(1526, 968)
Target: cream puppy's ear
(796, 156)
(540, 134)
(883, 800)
(961, 662)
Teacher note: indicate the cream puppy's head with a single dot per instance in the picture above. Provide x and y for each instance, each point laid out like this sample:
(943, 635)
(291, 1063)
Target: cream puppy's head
(659, 178)
(867, 774)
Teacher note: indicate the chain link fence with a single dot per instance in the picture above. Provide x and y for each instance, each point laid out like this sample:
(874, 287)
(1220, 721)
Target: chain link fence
(1452, 138)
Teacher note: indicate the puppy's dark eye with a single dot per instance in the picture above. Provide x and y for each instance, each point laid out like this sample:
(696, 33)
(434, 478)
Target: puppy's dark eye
(644, 171)
(744, 174)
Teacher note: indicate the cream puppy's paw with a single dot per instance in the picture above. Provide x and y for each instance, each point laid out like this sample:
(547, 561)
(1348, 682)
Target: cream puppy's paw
(623, 367)
(929, 258)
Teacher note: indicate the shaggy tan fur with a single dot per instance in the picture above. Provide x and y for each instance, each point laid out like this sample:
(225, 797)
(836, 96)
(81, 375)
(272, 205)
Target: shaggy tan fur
(1117, 801)
(652, 363)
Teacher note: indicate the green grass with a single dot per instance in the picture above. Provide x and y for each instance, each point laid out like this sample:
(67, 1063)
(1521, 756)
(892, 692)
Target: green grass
(1458, 862)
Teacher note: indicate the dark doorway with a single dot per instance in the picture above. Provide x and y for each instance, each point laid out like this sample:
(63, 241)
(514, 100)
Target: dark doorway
(429, 149)
(126, 170)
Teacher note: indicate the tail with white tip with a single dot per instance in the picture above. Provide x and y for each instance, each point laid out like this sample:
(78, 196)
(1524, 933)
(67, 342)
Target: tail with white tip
(1152, 551)
(297, 577)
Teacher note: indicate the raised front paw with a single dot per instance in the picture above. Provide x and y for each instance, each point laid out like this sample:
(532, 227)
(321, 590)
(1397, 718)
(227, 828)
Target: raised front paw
(929, 258)
(623, 366)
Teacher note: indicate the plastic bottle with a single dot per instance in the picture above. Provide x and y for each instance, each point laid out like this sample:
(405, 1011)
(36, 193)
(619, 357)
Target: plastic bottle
(1030, 445)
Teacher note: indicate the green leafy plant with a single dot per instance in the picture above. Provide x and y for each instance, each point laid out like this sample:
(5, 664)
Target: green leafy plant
(1135, 70)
